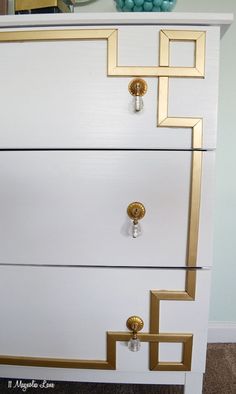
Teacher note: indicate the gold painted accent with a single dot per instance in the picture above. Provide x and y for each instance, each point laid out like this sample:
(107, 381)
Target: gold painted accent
(166, 295)
(112, 52)
(196, 125)
(110, 363)
(164, 49)
(163, 120)
(155, 71)
(54, 35)
(164, 71)
(194, 208)
(112, 39)
(136, 211)
(137, 87)
(166, 36)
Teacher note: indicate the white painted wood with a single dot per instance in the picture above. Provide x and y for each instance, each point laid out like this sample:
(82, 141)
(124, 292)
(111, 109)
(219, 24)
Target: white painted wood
(58, 374)
(221, 332)
(69, 207)
(193, 383)
(66, 312)
(55, 92)
(175, 349)
(110, 18)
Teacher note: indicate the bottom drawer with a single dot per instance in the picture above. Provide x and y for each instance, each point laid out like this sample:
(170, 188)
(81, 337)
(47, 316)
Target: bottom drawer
(75, 317)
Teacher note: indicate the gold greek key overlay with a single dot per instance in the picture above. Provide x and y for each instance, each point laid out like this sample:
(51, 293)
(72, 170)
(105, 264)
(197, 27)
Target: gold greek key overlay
(164, 71)
(196, 124)
(111, 35)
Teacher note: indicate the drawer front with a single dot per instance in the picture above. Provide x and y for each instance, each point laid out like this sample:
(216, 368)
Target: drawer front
(60, 317)
(70, 208)
(73, 90)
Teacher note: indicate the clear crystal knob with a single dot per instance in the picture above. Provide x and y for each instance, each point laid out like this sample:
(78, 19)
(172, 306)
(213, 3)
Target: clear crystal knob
(138, 106)
(134, 345)
(136, 229)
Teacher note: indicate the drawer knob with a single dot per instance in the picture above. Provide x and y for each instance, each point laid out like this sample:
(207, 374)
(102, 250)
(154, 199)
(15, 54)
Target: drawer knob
(137, 88)
(136, 211)
(134, 324)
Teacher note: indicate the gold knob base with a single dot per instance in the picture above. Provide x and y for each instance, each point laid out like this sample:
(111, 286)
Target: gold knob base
(136, 211)
(135, 323)
(138, 87)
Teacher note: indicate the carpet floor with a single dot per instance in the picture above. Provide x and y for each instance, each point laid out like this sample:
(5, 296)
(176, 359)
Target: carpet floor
(220, 378)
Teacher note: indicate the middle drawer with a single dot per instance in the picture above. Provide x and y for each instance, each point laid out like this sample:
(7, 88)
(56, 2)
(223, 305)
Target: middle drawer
(70, 207)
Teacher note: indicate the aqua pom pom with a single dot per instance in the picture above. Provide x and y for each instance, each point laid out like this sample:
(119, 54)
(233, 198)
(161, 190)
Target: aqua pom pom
(165, 6)
(120, 3)
(138, 9)
(129, 4)
(147, 6)
(172, 4)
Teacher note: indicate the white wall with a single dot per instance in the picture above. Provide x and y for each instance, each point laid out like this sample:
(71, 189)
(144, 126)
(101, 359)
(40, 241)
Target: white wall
(223, 306)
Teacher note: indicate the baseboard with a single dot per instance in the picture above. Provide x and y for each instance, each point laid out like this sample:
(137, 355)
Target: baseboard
(221, 332)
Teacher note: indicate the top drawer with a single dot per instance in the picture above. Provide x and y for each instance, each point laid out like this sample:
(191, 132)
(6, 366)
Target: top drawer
(68, 87)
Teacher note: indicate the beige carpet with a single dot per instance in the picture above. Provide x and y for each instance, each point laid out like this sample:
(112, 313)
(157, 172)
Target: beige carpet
(220, 378)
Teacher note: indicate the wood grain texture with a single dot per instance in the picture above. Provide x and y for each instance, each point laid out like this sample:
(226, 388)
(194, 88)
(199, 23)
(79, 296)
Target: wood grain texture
(70, 310)
(69, 83)
(69, 208)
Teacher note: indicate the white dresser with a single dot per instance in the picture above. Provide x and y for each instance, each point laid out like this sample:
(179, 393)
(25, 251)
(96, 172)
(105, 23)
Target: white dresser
(79, 144)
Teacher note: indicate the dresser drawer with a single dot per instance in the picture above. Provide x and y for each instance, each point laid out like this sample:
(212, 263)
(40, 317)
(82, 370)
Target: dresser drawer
(65, 313)
(72, 92)
(70, 207)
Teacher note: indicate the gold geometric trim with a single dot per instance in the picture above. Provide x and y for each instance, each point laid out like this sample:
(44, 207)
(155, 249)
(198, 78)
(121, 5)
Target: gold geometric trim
(164, 71)
(111, 35)
(198, 37)
(163, 119)
(155, 304)
(196, 124)
(54, 35)
(110, 364)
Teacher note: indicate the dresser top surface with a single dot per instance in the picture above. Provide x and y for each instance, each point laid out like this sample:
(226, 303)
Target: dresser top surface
(114, 18)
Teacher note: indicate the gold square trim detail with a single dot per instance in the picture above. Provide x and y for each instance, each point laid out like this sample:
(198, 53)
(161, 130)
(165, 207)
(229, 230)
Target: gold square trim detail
(198, 37)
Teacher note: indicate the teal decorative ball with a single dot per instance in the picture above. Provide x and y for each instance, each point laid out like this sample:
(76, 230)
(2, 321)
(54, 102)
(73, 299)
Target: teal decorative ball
(145, 5)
